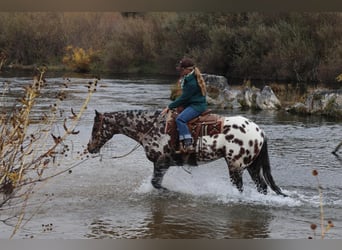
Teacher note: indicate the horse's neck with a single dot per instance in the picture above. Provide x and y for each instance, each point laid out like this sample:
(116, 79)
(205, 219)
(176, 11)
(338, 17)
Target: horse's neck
(134, 124)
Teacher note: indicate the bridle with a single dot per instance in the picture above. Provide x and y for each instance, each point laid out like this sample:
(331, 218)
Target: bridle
(98, 134)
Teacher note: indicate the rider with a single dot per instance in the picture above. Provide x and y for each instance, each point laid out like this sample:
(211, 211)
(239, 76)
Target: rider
(192, 99)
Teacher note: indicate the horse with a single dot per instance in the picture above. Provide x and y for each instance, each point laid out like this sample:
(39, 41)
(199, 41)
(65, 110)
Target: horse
(241, 142)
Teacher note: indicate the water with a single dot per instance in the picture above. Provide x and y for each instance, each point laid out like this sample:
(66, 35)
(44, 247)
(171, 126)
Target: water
(113, 198)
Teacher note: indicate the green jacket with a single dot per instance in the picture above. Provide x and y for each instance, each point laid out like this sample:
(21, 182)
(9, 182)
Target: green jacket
(191, 95)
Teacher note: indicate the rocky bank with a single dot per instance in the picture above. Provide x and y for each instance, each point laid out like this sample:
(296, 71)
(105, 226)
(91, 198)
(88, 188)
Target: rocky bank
(320, 102)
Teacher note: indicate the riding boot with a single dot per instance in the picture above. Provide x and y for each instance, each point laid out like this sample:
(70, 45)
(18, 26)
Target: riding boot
(180, 147)
(190, 152)
(187, 145)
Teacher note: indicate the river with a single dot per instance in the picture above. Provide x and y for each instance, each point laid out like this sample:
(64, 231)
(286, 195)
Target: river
(113, 198)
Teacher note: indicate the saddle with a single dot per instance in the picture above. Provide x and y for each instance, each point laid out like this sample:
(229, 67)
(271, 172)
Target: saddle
(202, 125)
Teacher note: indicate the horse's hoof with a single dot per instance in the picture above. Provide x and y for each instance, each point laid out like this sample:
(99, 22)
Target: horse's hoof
(282, 194)
(159, 187)
(163, 190)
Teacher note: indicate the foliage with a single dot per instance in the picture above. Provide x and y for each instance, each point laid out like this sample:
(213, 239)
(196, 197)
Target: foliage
(30, 37)
(28, 152)
(132, 45)
(291, 46)
(79, 59)
(339, 78)
(3, 58)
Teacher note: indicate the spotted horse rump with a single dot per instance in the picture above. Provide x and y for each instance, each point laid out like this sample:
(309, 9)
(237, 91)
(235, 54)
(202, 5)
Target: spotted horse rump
(241, 142)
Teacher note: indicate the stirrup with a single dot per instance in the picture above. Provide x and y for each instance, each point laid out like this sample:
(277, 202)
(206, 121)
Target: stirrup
(186, 149)
(189, 149)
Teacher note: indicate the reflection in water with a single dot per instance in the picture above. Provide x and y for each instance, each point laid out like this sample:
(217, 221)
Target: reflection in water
(249, 222)
(175, 216)
(213, 221)
(101, 229)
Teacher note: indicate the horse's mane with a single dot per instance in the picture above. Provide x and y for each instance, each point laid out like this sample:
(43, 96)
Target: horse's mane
(149, 112)
(144, 111)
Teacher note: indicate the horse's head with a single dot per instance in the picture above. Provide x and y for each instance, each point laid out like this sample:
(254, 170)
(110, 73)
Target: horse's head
(100, 134)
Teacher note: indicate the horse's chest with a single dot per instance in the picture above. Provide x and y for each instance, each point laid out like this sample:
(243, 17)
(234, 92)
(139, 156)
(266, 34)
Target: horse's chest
(156, 146)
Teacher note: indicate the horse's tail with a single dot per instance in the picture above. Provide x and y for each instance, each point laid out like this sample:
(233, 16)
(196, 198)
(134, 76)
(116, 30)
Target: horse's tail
(266, 169)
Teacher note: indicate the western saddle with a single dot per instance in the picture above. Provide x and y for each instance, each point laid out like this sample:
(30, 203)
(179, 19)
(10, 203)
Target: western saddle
(202, 125)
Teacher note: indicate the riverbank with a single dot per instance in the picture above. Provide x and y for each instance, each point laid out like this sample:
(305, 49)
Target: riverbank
(300, 98)
(321, 99)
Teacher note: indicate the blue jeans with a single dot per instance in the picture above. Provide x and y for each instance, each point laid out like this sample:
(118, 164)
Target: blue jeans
(186, 115)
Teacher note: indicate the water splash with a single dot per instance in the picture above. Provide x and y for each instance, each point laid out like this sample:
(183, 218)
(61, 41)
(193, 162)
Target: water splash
(212, 184)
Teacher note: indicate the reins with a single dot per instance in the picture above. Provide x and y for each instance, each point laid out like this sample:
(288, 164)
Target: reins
(138, 144)
(130, 152)
(135, 147)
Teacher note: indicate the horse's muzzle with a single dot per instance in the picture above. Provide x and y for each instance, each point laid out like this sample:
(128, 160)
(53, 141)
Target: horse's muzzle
(92, 149)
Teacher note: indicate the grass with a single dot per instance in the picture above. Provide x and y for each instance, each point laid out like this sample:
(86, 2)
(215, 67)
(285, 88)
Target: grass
(28, 151)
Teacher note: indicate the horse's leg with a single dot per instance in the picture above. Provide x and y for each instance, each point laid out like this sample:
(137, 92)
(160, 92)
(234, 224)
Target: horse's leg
(254, 172)
(263, 161)
(235, 176)
(158, 175)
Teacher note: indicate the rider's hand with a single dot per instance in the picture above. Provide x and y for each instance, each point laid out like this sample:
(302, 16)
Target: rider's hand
(165, 110)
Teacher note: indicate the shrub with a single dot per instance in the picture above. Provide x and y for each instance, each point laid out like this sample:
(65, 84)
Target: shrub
(79, 59)
(131, 46)
(339, 78)
(27, 152)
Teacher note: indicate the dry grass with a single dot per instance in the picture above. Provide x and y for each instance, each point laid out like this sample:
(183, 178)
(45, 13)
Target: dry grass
(325, 226)
(26, 152)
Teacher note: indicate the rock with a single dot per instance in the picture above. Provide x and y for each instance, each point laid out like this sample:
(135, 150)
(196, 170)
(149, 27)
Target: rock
(256, 99)
(297, 108)
(321, 102)
(219, 93)
(247, 97)
(215, 81)
(267, 99)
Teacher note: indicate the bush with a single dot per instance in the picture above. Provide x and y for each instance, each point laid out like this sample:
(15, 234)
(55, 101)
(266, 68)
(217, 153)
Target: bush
(292, 47)
(30, 38)
(79, 59)
(131, 46)
(339, 78)
(27, 152)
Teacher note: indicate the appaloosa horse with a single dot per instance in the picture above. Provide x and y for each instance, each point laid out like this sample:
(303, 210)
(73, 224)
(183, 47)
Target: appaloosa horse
(240, 142)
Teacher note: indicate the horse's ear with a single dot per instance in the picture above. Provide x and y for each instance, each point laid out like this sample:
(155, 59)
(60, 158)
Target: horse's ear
(97, 113)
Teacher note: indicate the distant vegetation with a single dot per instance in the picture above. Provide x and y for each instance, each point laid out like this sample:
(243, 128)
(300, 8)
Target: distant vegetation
(291, 47)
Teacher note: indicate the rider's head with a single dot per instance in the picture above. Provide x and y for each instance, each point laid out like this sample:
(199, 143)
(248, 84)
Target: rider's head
(185, 66)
